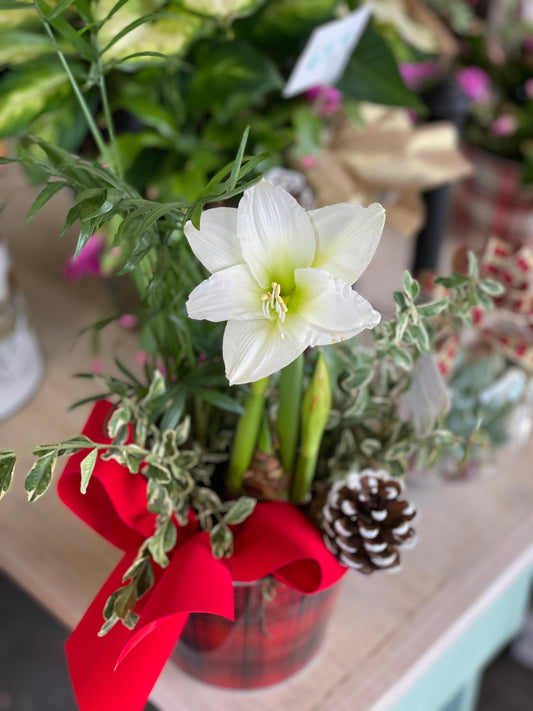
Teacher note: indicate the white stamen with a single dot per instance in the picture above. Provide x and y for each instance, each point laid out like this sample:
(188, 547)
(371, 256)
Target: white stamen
(274, 300)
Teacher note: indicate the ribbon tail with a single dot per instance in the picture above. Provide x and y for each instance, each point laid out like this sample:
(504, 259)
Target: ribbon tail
(118, 671)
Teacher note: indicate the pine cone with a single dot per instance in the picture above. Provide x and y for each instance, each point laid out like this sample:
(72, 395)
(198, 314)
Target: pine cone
(366, 521)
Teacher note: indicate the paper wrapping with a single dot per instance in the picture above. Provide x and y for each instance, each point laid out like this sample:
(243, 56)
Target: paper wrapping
(386, 159)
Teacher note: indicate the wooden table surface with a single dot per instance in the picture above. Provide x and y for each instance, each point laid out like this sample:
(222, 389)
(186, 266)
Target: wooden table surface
(474, 537)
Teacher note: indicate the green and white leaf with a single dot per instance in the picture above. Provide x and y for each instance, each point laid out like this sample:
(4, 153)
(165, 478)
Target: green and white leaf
(40, 475)
(28, 93)
(87, 467)
(139, 27)
(239, 510)
(7, 466)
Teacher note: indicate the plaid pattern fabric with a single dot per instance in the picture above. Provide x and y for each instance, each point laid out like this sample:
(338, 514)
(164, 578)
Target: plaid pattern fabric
(272, 637)
(492, 202)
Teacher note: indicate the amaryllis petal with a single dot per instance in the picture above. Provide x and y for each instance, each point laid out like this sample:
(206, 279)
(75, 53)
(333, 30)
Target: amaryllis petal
(275, 233)
(216, 244)
(330, 308)
(255, 349)
(347, 236)
(229, 294)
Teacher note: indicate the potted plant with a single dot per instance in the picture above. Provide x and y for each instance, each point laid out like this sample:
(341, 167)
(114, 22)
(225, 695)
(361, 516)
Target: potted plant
(265, 441)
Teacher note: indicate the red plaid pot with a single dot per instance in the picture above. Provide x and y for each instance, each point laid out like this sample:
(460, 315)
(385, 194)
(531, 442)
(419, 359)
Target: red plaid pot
(492, 202)
(275, 633)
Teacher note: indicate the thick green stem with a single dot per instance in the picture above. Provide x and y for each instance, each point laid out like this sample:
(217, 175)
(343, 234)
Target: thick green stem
(303, 477)
(264, 442)
(288, 426)
(316, 404)
(246, 436)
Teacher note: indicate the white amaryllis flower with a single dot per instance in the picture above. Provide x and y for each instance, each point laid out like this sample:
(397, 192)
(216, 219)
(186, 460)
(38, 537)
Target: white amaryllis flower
(281, 277)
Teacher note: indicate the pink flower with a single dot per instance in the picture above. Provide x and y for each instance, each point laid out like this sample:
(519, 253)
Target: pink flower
(415, 74)
(528, 87)
(308, 161)
(87, 261)
(504, 125)
(475, 83)
(97, 366)
(141, 357)
(326, 99)
(128, 321)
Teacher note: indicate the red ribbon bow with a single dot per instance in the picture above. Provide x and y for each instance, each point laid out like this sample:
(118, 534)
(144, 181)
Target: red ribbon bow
(117, 672)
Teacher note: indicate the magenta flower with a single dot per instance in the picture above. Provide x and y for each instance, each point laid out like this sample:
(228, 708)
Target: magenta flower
(415, 74)
(326, 99)
(504, 125)
(527, 43)
(128, 321)
(475, 83)
(87, 261)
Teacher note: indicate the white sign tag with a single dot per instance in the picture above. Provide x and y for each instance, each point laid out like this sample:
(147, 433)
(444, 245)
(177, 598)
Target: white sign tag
(327, 52)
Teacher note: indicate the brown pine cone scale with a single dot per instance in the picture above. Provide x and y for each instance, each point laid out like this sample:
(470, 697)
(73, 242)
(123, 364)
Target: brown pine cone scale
(365, 521)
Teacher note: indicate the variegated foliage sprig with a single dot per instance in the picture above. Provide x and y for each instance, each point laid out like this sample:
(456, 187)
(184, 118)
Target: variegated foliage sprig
(151, 438)
(365, 427)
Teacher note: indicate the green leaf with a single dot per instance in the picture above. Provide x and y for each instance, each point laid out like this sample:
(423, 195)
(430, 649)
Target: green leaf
(491, 287)
(174, 413)
(452, 281)
(69, 33)
(108, 625)
(372, 74)
(221, 539)
(144, 580)
(231, 77)
(7, 466)
(119, 419)
(433, 309)
(400, 300)
(239, 510)
(473, 269)
(29, 92)
(220, 400)
(420, 337)
(19, 46)
(234, 175)
(60, 6)
(411, 286)
(40, 476)
(46, 194)
(87, 467)
(164, 32)
(401, 358)
(370, 446)
(15, 5)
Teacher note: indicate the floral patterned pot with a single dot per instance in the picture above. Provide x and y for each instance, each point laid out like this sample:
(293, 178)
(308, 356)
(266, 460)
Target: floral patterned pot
(276, 631)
